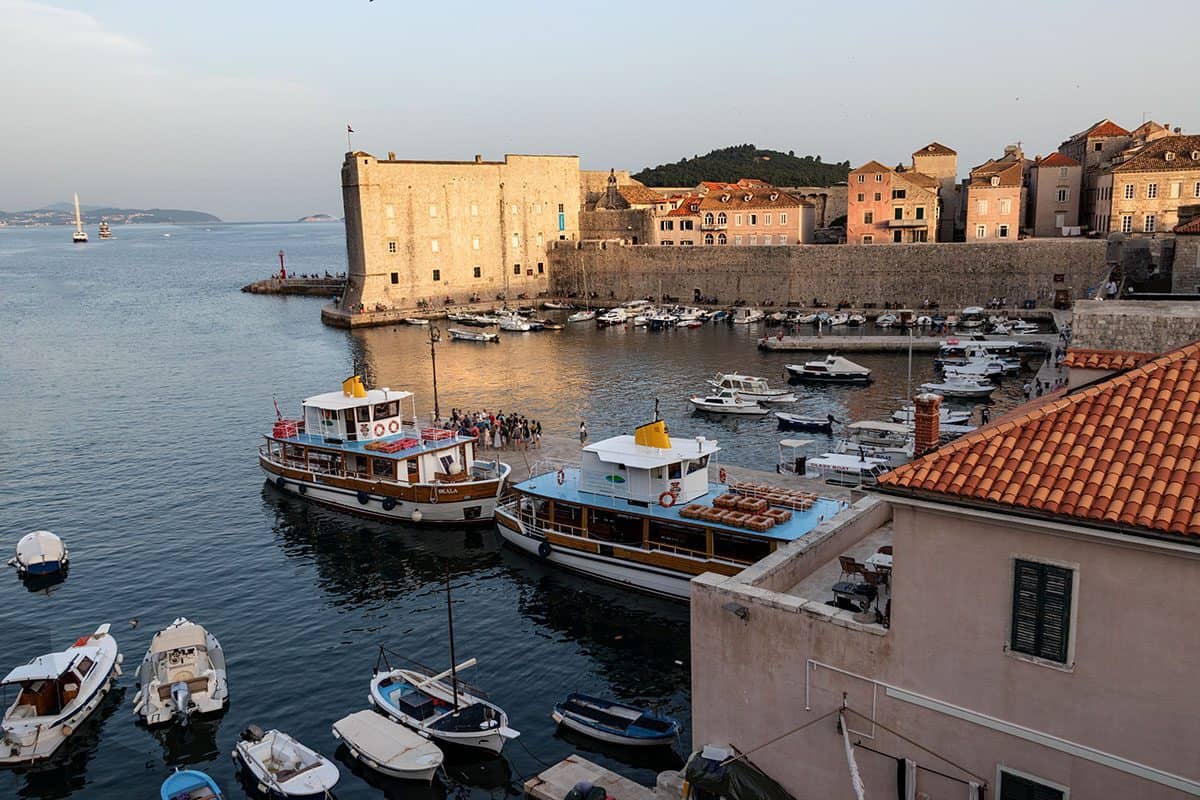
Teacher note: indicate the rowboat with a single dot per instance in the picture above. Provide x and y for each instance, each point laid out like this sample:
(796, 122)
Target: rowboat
(388, 747)
(615, 722)
(280, 766)
(473, 336)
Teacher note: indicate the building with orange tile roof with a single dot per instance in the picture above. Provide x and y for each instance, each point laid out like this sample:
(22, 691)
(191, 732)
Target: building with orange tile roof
(1145, 191)
(996, 197)
(941, 163)
(894, 206)
(1054, 189)
(748, 212)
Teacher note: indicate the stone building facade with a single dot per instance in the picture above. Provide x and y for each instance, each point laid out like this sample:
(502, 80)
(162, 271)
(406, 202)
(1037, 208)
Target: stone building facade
(904, 206)
(749, 212)
(941, 163)
(996, 197)
(426, 230)
(1150, 190)
(1054, 190)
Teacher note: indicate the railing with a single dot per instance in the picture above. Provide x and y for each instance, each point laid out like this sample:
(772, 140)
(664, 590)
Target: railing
(713, 226)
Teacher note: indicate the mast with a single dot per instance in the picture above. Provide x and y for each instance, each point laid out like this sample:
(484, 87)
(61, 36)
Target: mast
(78, 219)
(450, 620)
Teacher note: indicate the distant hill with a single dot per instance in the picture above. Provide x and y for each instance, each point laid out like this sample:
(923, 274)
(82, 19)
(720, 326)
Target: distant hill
(318, 218)
(64, 214)
(747, 161)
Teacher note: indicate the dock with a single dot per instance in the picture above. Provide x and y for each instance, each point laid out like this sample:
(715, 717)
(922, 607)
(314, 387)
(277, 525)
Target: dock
(313, 287)
(853, 344)
(555, 782)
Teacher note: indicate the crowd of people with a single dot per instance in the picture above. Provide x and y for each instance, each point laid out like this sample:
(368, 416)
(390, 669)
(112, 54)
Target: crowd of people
(497, 431)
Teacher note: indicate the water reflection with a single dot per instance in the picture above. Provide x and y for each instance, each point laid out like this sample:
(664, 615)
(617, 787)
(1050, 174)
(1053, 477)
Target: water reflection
(655, 759)
(66, 771)
(194, 743)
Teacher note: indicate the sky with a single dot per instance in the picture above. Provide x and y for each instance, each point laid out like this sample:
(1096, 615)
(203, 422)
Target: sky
(240, 108)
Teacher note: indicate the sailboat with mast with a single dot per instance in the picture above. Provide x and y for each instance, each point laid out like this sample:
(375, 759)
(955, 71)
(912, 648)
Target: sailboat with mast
(588, 313)
(80, 235)
(452, 713)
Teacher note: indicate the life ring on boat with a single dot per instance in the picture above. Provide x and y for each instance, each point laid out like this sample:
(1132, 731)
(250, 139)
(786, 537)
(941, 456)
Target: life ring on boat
(380, 429)
(280, 482)
(389, 503)
(561, 477)
(393, 426)
(666, 499)
(363, 497)
(544, 549)
(722, 475)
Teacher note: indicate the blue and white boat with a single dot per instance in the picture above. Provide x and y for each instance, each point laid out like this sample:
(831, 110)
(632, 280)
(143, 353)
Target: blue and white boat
(615, 722)
(190, 784)
(39, 554)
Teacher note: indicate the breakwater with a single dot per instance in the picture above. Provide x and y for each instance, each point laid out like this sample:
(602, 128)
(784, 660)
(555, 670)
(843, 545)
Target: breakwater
(317, 287)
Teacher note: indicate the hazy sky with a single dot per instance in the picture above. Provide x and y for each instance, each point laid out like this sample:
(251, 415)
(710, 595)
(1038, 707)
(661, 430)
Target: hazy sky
(240, 108)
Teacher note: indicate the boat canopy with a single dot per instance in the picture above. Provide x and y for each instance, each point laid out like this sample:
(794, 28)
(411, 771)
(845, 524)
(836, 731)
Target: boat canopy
(49, 666)
(336, 401)
(795, 442)
(177, 637)
(624, 450)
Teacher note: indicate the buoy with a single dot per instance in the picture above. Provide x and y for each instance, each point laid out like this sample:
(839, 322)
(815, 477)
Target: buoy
(722, 475)
(417, 516)
(666, 499)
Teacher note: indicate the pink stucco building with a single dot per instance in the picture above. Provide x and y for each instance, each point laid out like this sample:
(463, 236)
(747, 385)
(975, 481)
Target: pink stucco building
(749, 212)
(1032, 637)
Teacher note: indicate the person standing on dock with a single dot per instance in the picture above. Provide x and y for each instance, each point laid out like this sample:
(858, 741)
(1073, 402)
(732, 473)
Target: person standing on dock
(582, 433)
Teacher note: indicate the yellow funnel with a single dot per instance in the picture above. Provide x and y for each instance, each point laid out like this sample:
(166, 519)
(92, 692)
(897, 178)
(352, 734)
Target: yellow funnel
(353, 387)
(652, 434)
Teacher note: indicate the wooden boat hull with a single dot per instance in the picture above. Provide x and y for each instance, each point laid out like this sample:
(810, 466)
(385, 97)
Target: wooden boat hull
(567, 721)
(491, 741)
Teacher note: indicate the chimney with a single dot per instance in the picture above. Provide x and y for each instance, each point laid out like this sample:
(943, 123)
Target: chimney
(391, 155)
(926, 423)
(478, 158)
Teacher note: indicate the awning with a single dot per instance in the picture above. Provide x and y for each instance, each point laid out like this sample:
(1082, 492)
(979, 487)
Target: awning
(45, 667)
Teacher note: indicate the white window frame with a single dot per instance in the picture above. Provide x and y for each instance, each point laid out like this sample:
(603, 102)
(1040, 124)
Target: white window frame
(981, 231)
(1002, 230)
(392, 246)
(781, 239)
(737, 238)
(766, 219)
(1196, 189)
(1176, 190)
(1063, 194)
(1005, 205)
(516, 240)
(754, 238)
(783, 218)
(1127, 223)
(433, 243)
(861, 178)
(1150, 223)
(981, 207)
(1001, 769)
(868, 238)
(1129, 191)
(1152, 191)
(737, 219)
(879, 177)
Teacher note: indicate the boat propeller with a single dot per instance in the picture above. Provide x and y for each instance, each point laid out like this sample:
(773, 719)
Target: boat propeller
(181, 696)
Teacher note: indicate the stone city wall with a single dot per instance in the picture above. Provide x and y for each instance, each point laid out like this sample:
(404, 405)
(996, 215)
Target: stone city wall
(1185, 271)
(952, 274)
(634, 225)
(1143, 326)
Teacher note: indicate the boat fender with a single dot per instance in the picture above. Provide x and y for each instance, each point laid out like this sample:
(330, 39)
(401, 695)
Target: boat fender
(722, 475)
(303, 489)
(379, 429)
(280, 482)
(666, 499)
(561, 477)
(363, 497)
(389, 503)
(393, 426)
(544, 549)
(67, 730)
(433, 494)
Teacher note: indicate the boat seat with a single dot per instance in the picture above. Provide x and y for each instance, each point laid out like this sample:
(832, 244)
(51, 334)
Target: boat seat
(23, 711)
(70, 692)
(195, 686)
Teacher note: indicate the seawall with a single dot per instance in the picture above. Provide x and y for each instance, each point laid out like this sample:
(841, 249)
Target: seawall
(952, 274)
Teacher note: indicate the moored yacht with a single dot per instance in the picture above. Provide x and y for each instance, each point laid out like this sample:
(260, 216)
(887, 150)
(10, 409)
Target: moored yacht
(726, 401)
(639, 511)
(355, 450)
(967, 388)
(748, 387)
(104, 231)
(830, 369)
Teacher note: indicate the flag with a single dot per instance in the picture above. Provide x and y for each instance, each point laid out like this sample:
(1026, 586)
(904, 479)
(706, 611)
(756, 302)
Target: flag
(349, 129)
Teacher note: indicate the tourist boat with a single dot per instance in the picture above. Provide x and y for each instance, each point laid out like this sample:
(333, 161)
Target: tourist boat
(182, 674)
(355, 450)
(553, 305)
(614, 722)
(847, 470)
(515, 323)
(885, 321)
(961, 387)
(830, 369)
(189, 784)
(279, 766)
(472, 336)
(415, 321)
(104, 231)
(803, 423)
(639, 512)
(40, 553)
(80, 235)
(946, 416)
(745, 316)
(855, 320)
(388, 747)
(726, 401)
(55, 694)
(582, 316)
(614, 316)
(748, 387)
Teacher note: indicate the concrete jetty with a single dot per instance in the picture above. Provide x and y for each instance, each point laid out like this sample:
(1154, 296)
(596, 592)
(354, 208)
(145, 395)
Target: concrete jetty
(554, 783)
(316, 287)
(852, 344)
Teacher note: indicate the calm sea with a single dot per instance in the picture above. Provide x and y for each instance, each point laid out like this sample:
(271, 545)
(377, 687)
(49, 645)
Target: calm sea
(137, 379)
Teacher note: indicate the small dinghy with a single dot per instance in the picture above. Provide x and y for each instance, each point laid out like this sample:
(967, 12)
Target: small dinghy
(40, 553)
(190, 784)
(961, 387)
(473, 336)
(388, 747)
(415, 321)
(279, 766)
(823, 425)
(614, 722)
(183, 673)
(551, 305)
(582, 316)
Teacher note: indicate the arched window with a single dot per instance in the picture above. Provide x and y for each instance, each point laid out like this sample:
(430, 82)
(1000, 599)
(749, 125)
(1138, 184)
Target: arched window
(708, 238)
(721, 239)
(721, 219)
(708, 218)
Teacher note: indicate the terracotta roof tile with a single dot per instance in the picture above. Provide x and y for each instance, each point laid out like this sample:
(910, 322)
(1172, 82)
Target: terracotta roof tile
(1189, 227)
(1083, 358)
(1153, 157)
(640, 195)
(1125, 451)
(918, 179)
(1106, 127)
(1058, 160)
(871, 166)
(935, 149)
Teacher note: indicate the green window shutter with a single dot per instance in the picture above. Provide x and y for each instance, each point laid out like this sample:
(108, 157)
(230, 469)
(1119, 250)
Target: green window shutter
(1041, 616)
(1026, 607)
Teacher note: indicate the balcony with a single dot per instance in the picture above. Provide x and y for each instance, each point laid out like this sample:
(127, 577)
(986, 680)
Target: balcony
(909, 223)
(713, 226)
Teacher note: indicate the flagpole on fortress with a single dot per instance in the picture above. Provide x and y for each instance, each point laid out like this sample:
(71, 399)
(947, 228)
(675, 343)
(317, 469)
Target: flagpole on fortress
(349, 131)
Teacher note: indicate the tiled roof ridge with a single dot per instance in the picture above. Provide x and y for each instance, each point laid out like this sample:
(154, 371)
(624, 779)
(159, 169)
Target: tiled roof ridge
(1147, 157)
(1058, 160)
(1104, 358)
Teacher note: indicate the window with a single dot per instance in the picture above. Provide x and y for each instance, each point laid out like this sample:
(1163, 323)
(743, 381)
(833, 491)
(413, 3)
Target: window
(516, 269)
(898, 212)
(1060, 220)
(478, 271)
(1062, 172)
(389, 212)
(474, 210)
(1126, 223)
(391, 247)
(766, 219)
(897, 236)
(1062, 195)
(921, 235)
(395, 277)
(437, 274)
(666, 225)
(737, 219)
(686, 224)
(878, 196)
(541, 268)
(1176, 190)
(434, 244)
(868, 218)
(516, 239)
(541, 240)
(1002, 231)
(899, 194)
(721, 239)
(709, 218)
(1020, 787)
(708, 238)
(981, 207)
(868, 239)
(861, 197)
(685, 242)
(1151, 223)
(879, 178)
(474, 242)
(1151, 191)
(1041, 611)
(1097, 147)
(920, 212)
(1129, 191)
(754, 219)
(737, 239)
(1005, 205)
(980, 231)
(560, 208)
(666, 243)
(862, 178)
(721, 218)
(432, 211)
(1196, 190)
(781, 239)
(782, 218)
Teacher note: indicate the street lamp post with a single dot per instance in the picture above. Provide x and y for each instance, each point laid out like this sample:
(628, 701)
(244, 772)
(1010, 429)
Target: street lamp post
(435, 336)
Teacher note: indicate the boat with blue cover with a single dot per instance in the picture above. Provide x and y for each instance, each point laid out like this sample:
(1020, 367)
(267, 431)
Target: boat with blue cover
(615, 722)
(190, 784)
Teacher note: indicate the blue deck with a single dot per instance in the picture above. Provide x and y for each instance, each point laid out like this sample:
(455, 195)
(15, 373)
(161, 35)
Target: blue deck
(359, 448)
(546, 485)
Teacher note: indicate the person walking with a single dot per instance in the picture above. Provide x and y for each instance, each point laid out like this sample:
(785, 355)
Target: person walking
(582, 433)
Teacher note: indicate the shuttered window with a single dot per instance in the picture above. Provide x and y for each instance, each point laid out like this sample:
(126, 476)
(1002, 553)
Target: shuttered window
(1015, 787)
(1041, 615)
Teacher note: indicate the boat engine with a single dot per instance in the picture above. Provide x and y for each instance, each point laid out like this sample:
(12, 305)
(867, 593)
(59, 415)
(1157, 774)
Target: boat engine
(181, 696)
(253, 733)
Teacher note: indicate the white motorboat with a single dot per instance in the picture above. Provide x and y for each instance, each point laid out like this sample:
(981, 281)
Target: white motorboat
(552, 305)
(838, 319)
(884, 440)
(961, 387)
(1022, 328)
(515, 323)
(80, 235)
(446, 711)
(473, 336)
(745, 316)
(55, 693)
(40, 553)
(691, 322)
(614, 316)
(847, 470)
(183, 673)
(748, 387)
(726, 401)
(831, 369)
(924, 321)
(946, 416)
(973, 370)
(280, 766)
(885, 321)
(807, 319)
(801, 422)
(855, 320)
(640, 321)
(415, 321)
(104, 231)
(582, 316)
(388, 747)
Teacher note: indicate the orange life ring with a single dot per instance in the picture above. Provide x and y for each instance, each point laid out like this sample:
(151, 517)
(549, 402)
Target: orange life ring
(722, 475)
(82, 641)
(562, 477)
(666, 499)
(393, 426)
(379, 429)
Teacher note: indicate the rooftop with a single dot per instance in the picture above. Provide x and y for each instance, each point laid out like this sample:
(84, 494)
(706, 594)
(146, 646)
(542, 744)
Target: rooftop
(1104, 127)
(638, 195)
(1122, 453)
(1184, 155)
(1188, 227)
(335, 401)
(624, 450)
(1085, 358)
(935, 149)
(1058, 160)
